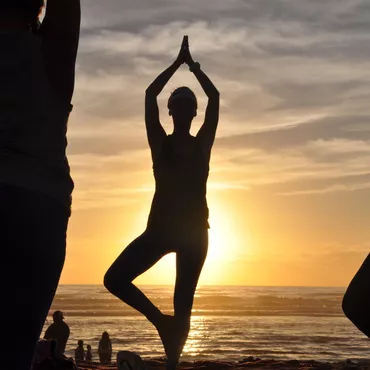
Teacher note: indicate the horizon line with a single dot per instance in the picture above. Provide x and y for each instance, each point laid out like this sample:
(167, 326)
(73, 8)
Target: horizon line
(218, 285)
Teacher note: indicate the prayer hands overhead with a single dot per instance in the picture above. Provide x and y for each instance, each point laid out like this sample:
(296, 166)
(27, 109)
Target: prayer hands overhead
(184, 55)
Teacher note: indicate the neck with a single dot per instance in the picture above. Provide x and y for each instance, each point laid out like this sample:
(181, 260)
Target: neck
(182, 129)
(181, 132)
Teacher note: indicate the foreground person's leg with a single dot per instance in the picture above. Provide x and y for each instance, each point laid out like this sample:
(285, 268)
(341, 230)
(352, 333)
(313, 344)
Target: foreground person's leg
(356, 301)
(33, 241)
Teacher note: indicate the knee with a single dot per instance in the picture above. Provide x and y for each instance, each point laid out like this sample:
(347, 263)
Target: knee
(110, 281)
(349, 304)
(115, 283)
(346, 304)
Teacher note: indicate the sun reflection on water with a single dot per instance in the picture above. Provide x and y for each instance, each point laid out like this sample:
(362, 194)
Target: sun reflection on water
(197, 336)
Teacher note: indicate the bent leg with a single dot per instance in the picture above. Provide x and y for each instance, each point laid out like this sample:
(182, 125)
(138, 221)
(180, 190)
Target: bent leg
(32, 241)
(356, 301)
(137, 258)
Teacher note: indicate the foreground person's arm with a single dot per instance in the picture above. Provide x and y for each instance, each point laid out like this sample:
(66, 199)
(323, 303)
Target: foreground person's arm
(60, 32)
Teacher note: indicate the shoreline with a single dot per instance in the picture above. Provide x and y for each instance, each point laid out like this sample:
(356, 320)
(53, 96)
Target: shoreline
(250, 362)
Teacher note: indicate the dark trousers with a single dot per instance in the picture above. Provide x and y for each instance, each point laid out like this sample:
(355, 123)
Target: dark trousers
(32, 245)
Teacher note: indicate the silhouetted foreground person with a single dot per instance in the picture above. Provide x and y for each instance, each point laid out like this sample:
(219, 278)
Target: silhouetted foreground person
(356, 301)
(36, 86)
(178, 220)
(59, 331)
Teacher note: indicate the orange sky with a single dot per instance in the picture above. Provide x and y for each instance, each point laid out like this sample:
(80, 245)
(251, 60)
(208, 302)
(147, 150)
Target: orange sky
(289, 188)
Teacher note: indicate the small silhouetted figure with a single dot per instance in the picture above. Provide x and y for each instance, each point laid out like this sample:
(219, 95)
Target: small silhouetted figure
(105, 348)
(356, 301)
(58, 330)
(178, 220)
(80, 351)
(89, 354)
(37, 64)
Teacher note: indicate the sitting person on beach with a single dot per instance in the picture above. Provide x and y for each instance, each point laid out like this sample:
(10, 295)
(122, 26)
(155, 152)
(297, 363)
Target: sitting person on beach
(105, 349)
(178, 220)
(80, 351)
(37, 74)
(89, 354)
(356, 301)
(47, 357)
(58, 330)
(44, 352)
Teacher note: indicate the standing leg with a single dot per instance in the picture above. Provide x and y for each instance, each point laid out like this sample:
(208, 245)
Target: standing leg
(32, 240)
(190, 259)
(356, 301)
(137, 258)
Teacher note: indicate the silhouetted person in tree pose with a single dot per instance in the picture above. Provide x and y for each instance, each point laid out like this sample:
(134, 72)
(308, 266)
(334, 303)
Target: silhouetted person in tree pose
(178, 220)
(36, 84)
(356, 301)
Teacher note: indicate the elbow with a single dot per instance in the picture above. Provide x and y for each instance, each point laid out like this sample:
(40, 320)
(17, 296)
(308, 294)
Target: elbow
(215, 94)
(150, 92)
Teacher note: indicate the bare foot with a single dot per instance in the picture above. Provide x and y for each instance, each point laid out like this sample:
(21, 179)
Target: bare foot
(167, 330)
(182, 332)
(173, 333)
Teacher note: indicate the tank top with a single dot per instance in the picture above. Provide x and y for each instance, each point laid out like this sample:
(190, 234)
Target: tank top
(179, 204)
(33, 120)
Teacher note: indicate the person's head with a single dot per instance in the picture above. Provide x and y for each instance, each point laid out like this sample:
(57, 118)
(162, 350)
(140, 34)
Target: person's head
(182, 106)
(105, 336)
(80, 343)
(43, 351)
(88, 347)
(58, 316)
(27, 11)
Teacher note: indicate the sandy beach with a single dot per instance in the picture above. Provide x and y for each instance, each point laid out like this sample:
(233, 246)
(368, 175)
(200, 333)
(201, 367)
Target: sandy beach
(250, 363)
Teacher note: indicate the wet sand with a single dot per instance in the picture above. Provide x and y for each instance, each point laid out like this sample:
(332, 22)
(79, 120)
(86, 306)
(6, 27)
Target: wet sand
(250, 363)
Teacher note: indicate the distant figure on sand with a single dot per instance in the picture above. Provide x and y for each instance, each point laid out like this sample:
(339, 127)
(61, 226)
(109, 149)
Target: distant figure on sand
(105, 349)
(59, 331)
(356, 301)
(178, 220)
(80, 351)
(89, 354)
(37, 65)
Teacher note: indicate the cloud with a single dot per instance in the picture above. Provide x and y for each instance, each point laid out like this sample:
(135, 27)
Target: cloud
(294, 78)
(347, 127)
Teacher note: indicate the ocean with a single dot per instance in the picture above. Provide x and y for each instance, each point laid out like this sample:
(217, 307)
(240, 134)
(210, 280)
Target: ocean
(228, 323)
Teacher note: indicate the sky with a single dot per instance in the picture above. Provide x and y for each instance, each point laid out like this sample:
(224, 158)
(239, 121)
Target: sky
(289, 186)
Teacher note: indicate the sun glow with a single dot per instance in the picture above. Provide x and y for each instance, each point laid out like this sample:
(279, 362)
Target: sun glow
(225, 246)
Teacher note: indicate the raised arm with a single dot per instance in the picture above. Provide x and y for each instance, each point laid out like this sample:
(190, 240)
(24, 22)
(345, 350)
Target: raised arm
(206, 134)
(60, 32)
(154, 129)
